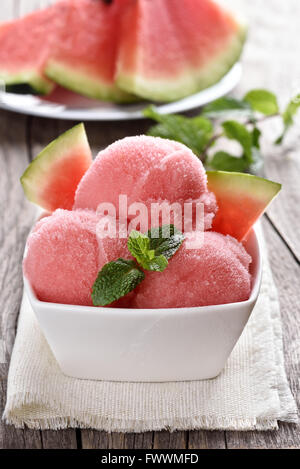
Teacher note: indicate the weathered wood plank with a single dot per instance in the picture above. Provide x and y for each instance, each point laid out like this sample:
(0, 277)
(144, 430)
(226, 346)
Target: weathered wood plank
(286, 272)
(16, 220)
(92, 439)
(143, 440)
(284, 166)
(8, 10)
(279, 72)
(11, 437)
(27, 6)
(167, 440)
(206, 440)
(59, 439)
(40, 133)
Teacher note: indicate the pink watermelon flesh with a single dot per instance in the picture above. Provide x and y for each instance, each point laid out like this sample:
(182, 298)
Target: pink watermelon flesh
(51, 179)
(241, 198)
(147, 170)
(113, 246)
(172, 49)
(215, 273)
(84, 58)
(62, 258)
(111, 249)
(25, 45)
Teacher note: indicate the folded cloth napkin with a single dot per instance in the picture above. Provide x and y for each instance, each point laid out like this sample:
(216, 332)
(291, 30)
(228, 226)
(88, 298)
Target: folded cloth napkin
(251, 393)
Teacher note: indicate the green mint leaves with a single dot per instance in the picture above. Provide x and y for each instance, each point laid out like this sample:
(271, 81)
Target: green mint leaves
(262, 101)
(115, 280)
(165, 240)
(225, 105)
(288, 116)
(194, 132)
(151, 251)
(139, 246)
(226, 118)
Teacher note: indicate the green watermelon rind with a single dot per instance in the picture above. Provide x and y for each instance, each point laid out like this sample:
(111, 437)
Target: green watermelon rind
(235, 183)
(39, 169)
(240, 195)
(34, 80)
(191, 81)
(84, 84)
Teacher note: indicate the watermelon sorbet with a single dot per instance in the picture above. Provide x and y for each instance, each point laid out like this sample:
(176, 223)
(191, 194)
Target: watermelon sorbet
(66, 251)
(147, 170)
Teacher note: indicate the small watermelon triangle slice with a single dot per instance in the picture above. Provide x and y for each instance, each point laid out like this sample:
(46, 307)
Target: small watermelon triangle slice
(51, 180)
(241, 198)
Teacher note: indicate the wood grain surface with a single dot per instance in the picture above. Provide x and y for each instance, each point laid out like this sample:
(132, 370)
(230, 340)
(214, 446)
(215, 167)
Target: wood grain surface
(270, 60)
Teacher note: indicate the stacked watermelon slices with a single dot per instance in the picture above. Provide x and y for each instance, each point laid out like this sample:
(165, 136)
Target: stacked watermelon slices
(121, 50)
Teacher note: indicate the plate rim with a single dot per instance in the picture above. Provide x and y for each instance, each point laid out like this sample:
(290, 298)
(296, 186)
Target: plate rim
(42, 108)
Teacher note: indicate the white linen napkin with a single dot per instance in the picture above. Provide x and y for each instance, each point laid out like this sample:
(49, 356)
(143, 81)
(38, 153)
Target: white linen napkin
(251, 393)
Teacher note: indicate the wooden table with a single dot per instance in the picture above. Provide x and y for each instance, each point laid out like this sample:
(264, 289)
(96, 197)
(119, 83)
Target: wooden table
(271, 60)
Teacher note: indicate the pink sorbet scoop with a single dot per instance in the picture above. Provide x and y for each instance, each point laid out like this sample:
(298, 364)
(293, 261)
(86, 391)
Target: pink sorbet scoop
(62, 257)
(65, 254)
(145, 169)
(215, 273)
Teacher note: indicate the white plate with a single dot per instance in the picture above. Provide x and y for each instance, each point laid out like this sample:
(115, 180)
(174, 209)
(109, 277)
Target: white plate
(63, 104)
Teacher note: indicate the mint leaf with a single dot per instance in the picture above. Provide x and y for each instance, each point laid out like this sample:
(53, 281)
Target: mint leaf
(236, 131)
(262, 101)
(152, 250)
(116, 279)
(288, 116)
(223, 161)
(158, 264)
(256, 134)
(222, 106)
(165, 240)
(194, 132)
(139, 246)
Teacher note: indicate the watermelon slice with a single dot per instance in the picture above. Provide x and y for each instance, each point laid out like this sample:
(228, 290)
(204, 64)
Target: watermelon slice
(241, 198)
(169, 50)
(84, 59)
(51, 179)
(25, 45)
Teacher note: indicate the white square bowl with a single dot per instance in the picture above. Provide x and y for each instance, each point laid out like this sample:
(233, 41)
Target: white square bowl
(146, 345)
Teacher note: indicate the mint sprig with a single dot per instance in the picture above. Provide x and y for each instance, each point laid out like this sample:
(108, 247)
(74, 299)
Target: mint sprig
(262, 101)
(194, 132)
(139, 246)
(165, 240)
(229, 118)
(151, 251)
(288, 116)
(224, 106)
(116, 279)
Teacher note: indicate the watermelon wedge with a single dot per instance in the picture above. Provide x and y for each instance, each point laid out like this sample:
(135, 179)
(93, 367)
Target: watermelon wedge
(84, 59)
(50, 181)
(171, 49)
(25, 45)
(241, 198)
